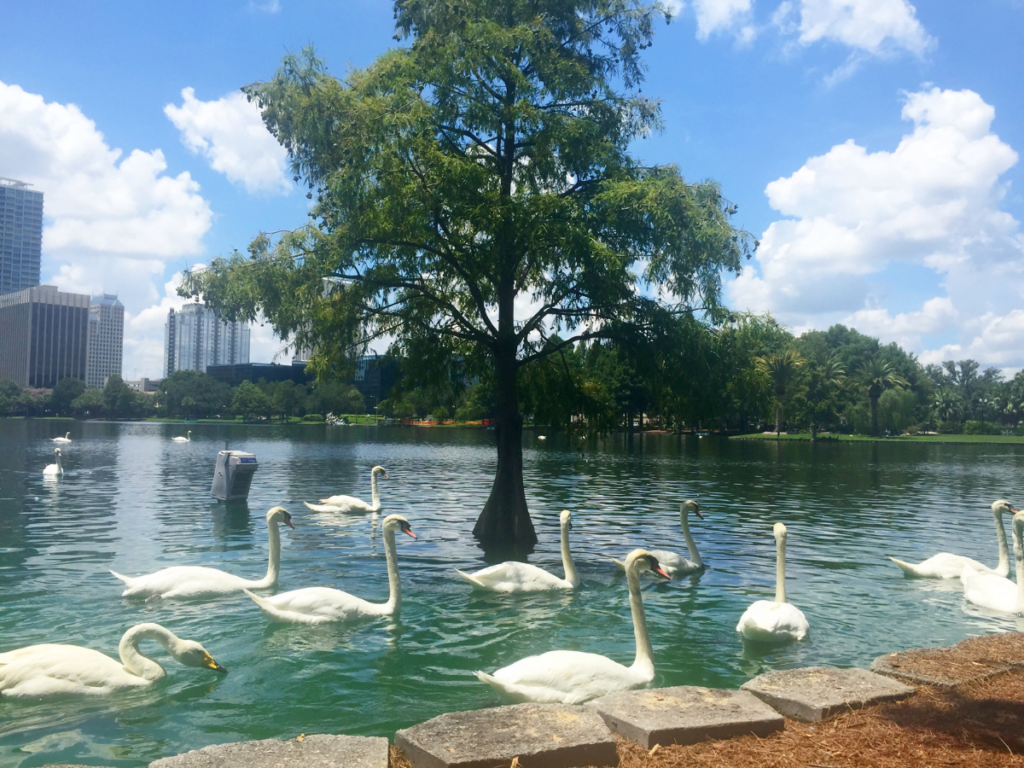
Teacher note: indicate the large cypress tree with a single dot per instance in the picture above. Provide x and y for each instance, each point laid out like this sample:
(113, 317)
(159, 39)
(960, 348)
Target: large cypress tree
(474, 193)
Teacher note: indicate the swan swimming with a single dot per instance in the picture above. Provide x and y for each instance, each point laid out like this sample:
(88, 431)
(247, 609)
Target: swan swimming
(774, 621)
(186, 439)
(351, 503)
(573, 677)
(318, 605)
(65, 439)
(49, 668)
(998, 593)
(514, 576)
(948, 566)
(193, 581)
(54, 470)
(675, 565)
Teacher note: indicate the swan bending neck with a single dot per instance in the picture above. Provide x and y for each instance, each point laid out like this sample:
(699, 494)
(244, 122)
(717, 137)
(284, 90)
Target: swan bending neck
(691, 545)
(134, 661)
(780, 570)
(567, 564)
(643, 664)
(274, 564)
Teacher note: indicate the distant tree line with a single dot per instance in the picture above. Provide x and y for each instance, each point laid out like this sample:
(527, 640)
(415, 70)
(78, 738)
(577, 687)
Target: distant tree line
(182, 395)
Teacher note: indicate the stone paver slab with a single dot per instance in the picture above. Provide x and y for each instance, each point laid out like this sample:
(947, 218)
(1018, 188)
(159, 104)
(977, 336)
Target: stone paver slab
(686, 714)
(319, 751)
(815, 693)
(540, 735)
(969, 661)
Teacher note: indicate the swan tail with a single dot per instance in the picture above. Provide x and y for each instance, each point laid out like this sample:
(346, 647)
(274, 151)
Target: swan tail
(321, 507)
(274, 613)
(619, 564)
(126, 579)
(908, 569)
(475, 582)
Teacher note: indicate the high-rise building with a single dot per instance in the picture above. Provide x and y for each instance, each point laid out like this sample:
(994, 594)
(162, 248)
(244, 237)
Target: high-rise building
(194, 338)
(106, 339)
(43, 336)
(21, 235)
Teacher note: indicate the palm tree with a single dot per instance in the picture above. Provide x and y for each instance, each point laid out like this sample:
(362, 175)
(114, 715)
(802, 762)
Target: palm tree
(948, 404)
(877, 376)
(826, 375)
(783, 370)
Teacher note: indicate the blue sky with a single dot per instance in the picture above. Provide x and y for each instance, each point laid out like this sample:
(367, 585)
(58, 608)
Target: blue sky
(872, 145)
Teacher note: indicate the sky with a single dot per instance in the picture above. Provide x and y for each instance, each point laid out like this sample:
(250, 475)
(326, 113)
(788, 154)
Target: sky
(872, 146)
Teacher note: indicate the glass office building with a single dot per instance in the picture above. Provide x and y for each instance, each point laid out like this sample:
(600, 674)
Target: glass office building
(21, 235)
(44, 335)
(196, 338)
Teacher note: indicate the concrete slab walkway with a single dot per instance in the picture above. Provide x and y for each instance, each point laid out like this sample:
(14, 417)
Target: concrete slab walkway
(319, 751)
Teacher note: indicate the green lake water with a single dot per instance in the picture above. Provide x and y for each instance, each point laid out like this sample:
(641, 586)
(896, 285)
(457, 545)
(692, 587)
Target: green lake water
(134, 502)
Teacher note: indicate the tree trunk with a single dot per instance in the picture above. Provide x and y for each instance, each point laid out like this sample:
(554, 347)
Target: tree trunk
(504, 526)
(874, 417)
(814, 431)
(778, 418)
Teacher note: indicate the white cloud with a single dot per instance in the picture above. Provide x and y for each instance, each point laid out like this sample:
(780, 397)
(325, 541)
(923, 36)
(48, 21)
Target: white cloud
(723, 16)
(875, 26)
(230, 134)
(932, 203)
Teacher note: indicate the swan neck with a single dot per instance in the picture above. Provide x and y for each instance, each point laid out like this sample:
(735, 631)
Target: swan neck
(1018, 555)
(374, 494)
(134, 661)
(274, 564)
(1003, 568)
(780, 570)
(644, 662)
(691, 545)
(570, 567)
(394, 603)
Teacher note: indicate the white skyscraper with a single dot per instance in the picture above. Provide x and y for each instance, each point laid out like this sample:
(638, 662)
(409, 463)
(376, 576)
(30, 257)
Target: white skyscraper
(194, 338)
(106, 339)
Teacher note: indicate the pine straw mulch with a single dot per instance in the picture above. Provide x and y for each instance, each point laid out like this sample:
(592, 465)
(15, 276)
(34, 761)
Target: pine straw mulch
(971, 658)
(977, 725)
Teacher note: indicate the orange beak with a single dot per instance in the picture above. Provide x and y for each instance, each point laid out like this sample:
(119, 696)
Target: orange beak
(661, 572)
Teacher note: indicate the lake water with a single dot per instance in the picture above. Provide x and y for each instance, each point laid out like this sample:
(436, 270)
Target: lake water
(134, 502)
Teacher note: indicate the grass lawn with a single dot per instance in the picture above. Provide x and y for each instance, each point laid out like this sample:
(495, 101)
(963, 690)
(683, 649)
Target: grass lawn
(805, 437)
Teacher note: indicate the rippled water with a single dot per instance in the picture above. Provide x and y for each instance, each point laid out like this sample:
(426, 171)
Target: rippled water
(134, 502)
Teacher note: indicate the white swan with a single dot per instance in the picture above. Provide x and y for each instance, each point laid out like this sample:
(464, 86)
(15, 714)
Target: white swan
(193, 581)
(998, 593)
(947, 566)
(774, 621)
(351, 503)
(48, 669)
(522, 577)
(318, 605)
(65, 439)
(186, 439)
(54, 470)
(675, 565)
(573, 677)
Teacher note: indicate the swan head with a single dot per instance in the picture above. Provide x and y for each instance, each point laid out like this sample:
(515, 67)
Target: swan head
(394, 523)
(640, 560)
(192, 654)
(279, 515)
(56, 451)
(689, 506)
(779, 531)
(1002, 506)
(379, 470)
(565, 519)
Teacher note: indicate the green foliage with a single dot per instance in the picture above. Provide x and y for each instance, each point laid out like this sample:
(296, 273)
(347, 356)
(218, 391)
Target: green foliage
(981, 428)
(313, 417)
(288, 399)
(64, 393)
(897, 410)
(951, 428)
(193, 395)
(251, 402)
(335, 397)
(90, 404)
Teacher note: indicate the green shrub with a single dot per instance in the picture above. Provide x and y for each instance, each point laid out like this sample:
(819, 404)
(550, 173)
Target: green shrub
(313, 417)
(913, 429)
(951, 428)
(981, 428)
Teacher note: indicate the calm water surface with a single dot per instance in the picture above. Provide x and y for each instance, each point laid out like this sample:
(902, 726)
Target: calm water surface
(134, 502)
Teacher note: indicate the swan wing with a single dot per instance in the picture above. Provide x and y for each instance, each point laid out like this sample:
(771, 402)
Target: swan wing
(989, 590)
(183, 581)
(767, 621)
(566, 677)
(329, 508)
(944, 565)
(675, 564)
(315, 605)
(515, 577)
(49, 669)
(348, 504)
